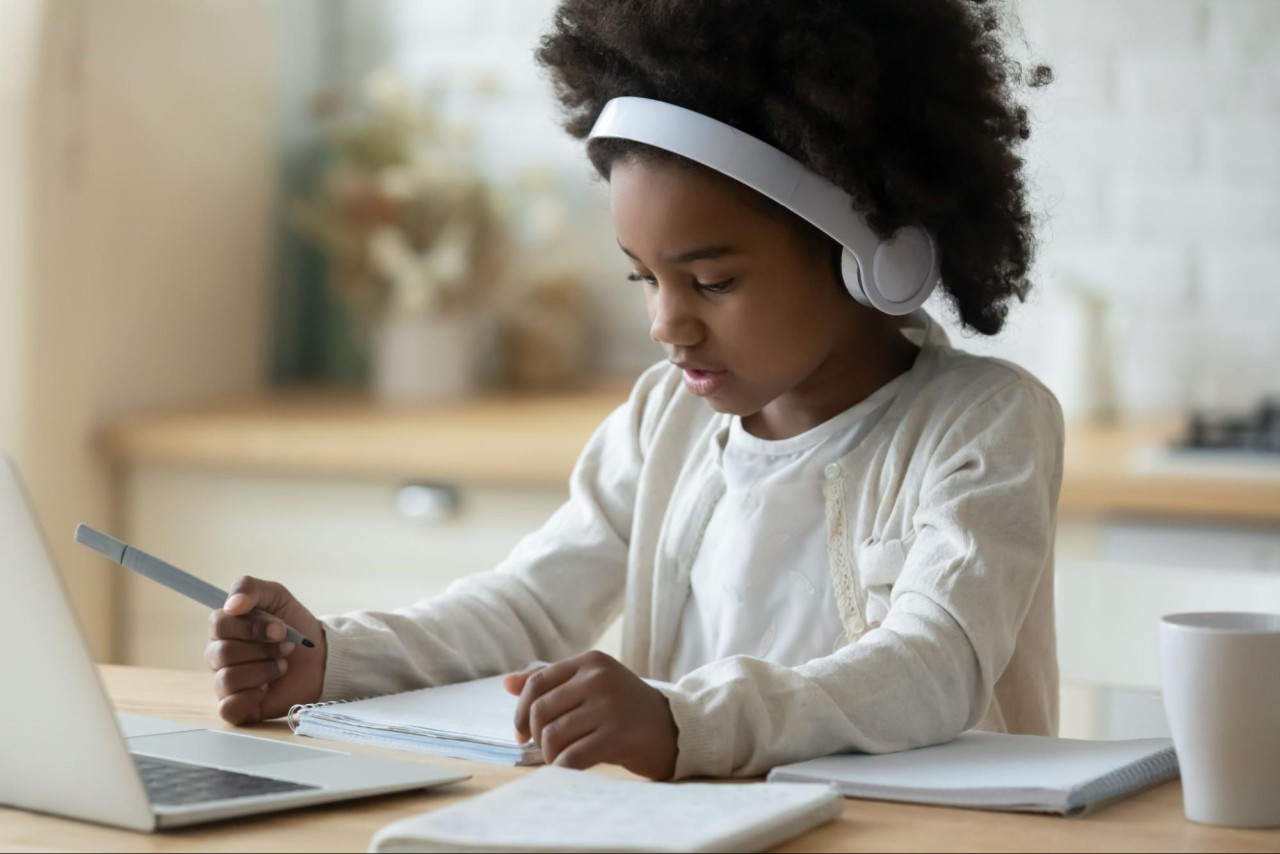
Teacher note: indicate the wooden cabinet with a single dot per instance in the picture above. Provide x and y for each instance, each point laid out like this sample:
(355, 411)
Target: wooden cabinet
(337, 544)
(1117, 575)
(349, 505)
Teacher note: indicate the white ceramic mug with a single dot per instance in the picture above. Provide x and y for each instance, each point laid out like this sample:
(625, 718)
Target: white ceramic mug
(1221, 683)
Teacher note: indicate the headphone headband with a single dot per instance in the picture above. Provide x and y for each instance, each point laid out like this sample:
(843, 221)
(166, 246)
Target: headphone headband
(894, 276)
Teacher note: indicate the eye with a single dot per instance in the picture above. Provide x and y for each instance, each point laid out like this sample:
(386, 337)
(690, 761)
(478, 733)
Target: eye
(715, 287)
(706, 287)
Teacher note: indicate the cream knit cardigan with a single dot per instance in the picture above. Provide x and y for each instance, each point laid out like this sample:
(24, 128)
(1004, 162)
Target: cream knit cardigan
(940, 528)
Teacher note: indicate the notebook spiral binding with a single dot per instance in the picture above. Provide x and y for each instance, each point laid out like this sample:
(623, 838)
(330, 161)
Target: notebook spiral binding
(294, 715)
(1132, 777)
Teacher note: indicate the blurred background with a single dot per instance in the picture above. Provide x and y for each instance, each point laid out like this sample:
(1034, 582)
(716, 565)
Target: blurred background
(319, 291)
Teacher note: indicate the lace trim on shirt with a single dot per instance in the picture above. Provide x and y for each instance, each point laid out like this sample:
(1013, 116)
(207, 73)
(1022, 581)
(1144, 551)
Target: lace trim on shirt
(842, 578)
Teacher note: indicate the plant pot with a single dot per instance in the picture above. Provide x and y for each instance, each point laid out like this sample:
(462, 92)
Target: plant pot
(423, 357)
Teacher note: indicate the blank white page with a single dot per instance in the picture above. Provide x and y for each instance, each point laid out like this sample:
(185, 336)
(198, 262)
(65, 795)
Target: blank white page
(479, 709)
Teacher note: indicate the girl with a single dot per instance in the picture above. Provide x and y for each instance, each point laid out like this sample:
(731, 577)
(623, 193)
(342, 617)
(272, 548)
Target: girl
(827, 529)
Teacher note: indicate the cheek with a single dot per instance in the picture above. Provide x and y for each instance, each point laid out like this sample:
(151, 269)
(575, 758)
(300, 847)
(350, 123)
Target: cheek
(779, 334)
(649, 295)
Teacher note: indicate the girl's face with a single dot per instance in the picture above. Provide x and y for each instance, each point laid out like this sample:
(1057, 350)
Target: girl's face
(748, 309)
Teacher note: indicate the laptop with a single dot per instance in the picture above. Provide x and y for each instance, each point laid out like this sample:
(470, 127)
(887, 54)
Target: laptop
(64, 750)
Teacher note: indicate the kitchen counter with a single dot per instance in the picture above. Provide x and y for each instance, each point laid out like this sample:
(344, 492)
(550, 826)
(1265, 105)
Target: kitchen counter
(1110, 469)
(534, 439)
(517, 439)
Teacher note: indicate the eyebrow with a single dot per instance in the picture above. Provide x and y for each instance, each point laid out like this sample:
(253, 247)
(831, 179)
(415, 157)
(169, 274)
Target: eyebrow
(700, 253)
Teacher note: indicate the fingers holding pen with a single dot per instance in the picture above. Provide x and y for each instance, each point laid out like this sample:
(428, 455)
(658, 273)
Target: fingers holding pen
(253, 674)
(228, 653)
(260, 666)
(261, 628)
(242, 707)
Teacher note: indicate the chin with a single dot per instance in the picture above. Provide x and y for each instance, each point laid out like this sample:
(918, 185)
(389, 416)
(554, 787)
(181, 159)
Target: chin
(728, 406)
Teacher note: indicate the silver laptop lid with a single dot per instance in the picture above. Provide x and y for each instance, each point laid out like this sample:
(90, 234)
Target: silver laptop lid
(60, 746)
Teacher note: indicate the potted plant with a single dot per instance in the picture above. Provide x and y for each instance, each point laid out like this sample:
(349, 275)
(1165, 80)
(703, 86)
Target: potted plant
(414, 245)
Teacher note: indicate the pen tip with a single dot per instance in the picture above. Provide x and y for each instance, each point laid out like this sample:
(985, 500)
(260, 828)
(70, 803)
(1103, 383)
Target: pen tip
(308, 644)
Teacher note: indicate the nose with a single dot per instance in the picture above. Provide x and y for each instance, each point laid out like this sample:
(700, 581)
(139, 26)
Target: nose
(673, 321)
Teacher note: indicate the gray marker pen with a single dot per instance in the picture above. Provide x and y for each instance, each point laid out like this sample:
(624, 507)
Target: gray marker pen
(167, 574)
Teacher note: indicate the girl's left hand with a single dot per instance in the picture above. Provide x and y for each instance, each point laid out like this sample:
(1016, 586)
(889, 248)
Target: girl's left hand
(591, 709)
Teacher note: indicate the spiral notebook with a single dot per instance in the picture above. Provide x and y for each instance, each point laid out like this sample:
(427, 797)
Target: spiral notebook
(556, 809)
(983, 770)
(469, 720)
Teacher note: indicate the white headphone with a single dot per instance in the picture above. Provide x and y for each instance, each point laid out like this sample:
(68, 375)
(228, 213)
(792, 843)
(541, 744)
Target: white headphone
(894, 275)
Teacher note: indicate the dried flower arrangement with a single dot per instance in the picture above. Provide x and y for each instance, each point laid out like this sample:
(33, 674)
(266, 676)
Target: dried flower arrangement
(410, 226)
(406, 221)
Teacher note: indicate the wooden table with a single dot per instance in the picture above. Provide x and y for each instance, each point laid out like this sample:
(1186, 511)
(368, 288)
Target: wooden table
(1149, 821)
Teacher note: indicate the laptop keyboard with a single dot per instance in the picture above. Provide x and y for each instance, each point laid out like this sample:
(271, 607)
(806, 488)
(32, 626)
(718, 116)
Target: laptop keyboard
(175, 783)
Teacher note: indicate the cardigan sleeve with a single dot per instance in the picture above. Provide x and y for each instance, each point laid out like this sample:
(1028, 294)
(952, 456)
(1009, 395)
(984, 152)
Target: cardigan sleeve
(551, 598)
(984, 530)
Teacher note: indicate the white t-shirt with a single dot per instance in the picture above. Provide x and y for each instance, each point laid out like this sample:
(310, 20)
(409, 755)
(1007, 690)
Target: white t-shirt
(764, 589)
(939, 524)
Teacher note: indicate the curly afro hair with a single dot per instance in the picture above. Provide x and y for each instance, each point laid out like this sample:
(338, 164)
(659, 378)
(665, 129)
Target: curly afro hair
(905, 104)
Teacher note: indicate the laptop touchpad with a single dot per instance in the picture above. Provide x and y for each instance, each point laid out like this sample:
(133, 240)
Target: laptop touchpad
(224, 749)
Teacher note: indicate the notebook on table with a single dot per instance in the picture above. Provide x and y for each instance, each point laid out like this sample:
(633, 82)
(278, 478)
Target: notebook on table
(1025, 773)
(555, 809)
(469, 720)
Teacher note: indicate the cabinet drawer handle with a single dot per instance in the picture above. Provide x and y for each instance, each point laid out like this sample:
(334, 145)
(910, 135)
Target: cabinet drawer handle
(428, 502)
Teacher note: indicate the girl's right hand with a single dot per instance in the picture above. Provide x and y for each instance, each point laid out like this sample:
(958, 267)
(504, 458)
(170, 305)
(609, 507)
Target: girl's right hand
(256, 674)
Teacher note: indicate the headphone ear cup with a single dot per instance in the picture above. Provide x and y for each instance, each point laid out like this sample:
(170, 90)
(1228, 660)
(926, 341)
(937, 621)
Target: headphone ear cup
(904, 266)
(851, 275)
(903, 272)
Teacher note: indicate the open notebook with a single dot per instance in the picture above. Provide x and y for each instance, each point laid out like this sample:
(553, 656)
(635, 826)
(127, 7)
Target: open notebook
(986, 770)
(469, 720)
(555, 809)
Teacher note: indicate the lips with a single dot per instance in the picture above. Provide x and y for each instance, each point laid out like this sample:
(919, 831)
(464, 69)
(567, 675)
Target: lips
(697, 367)
(702, 380)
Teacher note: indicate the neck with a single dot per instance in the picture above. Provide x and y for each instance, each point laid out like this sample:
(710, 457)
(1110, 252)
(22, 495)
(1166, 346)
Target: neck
(875, 354)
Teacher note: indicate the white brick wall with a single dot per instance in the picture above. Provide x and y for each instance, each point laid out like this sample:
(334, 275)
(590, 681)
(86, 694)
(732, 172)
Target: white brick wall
(1155, 155)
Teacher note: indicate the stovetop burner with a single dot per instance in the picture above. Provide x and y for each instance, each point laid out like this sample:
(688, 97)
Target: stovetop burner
(1257, 431)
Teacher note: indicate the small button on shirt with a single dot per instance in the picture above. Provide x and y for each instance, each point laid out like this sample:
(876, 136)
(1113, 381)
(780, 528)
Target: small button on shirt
(761, 583)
